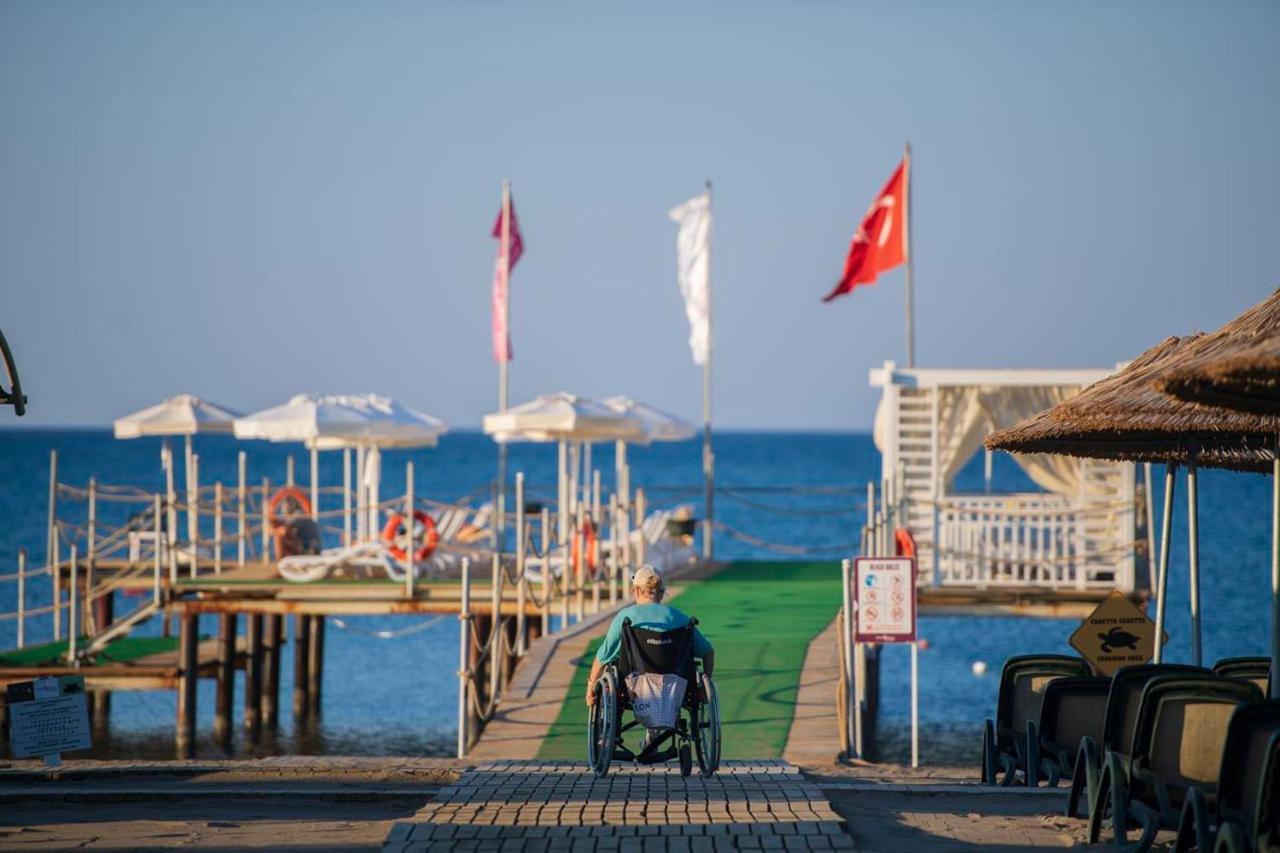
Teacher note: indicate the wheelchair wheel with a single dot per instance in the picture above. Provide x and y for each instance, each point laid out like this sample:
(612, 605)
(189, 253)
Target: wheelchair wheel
(706, 741)
(686, 761)
(602, 724)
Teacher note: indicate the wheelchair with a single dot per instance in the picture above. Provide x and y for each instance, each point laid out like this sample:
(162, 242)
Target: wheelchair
(697, 729)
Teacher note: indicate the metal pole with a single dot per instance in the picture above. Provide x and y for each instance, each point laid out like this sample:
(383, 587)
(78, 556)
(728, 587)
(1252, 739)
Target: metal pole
(1151, 524)
(708, 450)
(217, 528)
(915, 704)
(495, 627)
(155, 580)
(193, 512)
(242, 492)
(73, 630)
(87, 615)
(504, 271)
(266, 520)
(288, 470)
(910, 306)
(1193, 553)
(411, 565)
(51, 542)
(22, 597)
(361, 512)
(464, 655)
(346, 496)
(1166, 525)
(852, 725)
(315, 484)
(615, 547)
(1275, 574)
(521, 581)
(546, 571)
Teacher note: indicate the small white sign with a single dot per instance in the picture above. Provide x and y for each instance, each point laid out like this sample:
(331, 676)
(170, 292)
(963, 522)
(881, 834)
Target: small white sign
(884, 594)
(48, 716)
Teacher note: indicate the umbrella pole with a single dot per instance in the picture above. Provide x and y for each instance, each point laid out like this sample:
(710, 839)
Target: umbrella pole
(1151, 524)
(1162, 580)
(1193, 554)
(1275, 574)
(360, 499)
(315, 484)
(346, 497)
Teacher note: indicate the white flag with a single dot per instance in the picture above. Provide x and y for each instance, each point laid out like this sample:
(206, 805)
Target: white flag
(693, 270)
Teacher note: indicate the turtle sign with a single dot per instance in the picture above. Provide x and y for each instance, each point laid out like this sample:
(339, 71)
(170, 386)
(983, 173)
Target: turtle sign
(1117, 633)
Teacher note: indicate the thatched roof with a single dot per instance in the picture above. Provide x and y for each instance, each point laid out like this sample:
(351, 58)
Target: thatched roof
(1124, 417)
(1238, 367)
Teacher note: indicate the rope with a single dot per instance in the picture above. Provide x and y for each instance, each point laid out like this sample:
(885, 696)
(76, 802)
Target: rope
(782, 548)
(388, 635)
(852, 509)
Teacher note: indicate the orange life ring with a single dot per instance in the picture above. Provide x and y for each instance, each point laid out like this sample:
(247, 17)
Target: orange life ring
(393, 532)
(301, 505)
(904, 544)
(589, 546)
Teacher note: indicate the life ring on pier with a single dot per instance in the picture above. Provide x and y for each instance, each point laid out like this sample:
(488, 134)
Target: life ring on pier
(287, 503)
(394, 535)
(904, 544)
(588, 546)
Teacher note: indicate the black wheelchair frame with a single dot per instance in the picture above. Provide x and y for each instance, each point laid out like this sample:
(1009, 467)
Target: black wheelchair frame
(697, 729)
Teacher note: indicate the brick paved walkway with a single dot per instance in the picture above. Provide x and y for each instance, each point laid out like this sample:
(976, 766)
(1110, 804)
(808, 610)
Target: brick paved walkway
(558, 805)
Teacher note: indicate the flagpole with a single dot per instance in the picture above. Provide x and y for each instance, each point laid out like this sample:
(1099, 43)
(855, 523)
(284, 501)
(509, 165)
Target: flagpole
(503, 371)
(708, 454)
(911, 318)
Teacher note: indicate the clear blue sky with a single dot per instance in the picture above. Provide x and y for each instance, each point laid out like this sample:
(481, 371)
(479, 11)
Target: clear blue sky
(249, 199)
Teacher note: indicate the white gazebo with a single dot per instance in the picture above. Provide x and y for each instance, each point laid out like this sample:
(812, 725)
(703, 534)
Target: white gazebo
(364, 422)
(1078, 533)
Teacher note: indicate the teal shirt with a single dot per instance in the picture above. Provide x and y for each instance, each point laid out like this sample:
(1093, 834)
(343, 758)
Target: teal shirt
(655, 617)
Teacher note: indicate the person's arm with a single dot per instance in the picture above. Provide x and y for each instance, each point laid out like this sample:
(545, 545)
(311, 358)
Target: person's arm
(607, 653)
(709, 663)
(703, 649)
(596, 669)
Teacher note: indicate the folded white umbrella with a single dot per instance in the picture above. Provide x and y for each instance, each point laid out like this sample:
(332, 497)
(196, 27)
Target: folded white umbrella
(563, 417)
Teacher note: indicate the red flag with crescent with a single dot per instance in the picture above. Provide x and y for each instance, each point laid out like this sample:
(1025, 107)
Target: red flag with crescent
(880, 243)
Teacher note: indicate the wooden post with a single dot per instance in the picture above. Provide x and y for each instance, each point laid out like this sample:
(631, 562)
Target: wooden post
(88, 616)
(288, 470)
(642, 543)
(301, 659)
(495, 641)
(464, 659)
(155, 581)
(580, 561)
(521, 582)
(346, 496)
(100, 710)
(242, 518)
(615, 548)
(73, 625)
(193, 513)
(253, 674)
(104, 608)
(315, 666)
(272, 641)
(188, 662)
(546, 570)
(22, 597)
(226, 683)
(410, 565)
(266, 520)
(315, 484)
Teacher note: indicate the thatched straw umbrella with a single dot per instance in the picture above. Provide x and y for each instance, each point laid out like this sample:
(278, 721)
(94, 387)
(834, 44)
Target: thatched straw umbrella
(1239, 368)
(1124, 417)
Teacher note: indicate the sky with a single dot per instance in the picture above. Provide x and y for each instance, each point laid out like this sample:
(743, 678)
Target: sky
(247, 200)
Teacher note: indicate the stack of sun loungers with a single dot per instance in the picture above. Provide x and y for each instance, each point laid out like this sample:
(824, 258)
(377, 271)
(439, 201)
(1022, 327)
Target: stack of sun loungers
(1154, 747)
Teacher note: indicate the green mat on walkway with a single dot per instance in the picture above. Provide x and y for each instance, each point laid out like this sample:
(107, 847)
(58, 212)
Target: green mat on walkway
(117, 651)
(760, 617)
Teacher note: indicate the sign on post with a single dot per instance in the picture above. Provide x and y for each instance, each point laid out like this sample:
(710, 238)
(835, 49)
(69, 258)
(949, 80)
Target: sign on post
(884, 611)
(1117, 633)
(884, 592)
(47, 717)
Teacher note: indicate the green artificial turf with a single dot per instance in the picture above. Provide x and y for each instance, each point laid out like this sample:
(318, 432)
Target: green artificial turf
(117, 651)
(760, 617)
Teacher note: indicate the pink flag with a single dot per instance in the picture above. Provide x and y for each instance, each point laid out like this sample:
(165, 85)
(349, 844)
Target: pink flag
(501, 329)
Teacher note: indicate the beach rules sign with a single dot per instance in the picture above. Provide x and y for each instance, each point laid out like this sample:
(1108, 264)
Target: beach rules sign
(1117, 633)
(884, 595)
(48, 716)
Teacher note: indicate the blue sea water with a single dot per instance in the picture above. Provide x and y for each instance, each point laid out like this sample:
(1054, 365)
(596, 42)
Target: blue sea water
(398, 696)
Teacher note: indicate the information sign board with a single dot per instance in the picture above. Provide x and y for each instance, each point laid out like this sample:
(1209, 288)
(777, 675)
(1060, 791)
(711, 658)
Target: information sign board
(1117, 633)
(48, 716)
(884, 594)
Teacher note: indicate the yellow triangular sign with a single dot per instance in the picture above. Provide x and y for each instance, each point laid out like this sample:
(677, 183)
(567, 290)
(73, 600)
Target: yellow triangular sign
(1117, 633)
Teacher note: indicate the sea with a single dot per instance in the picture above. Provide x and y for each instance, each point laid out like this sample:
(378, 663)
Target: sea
(787, 495)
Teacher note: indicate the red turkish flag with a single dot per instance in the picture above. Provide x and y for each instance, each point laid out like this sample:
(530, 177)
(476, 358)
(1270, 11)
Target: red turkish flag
(880, 242)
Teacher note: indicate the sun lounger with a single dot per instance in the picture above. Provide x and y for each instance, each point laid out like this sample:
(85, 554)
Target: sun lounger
(1177, 745)
(1072, 708)
(1255, 669)
(1240, 779)
(1022, 683)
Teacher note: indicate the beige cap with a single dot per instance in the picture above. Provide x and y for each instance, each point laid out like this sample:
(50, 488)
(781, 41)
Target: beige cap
(647, 577)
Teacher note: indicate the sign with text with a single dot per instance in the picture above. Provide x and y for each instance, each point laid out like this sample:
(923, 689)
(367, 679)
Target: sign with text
(884, 595)
(1117, 633)
(48, 716)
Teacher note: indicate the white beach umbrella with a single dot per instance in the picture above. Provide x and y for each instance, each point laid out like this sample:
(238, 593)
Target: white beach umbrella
(184, 415)
(566, 419)
(658, 425)
(366, 422)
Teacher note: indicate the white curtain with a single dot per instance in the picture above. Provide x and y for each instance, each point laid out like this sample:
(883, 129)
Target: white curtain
(966, 414)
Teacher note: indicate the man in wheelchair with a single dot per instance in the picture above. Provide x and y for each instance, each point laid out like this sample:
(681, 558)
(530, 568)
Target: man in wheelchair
(655, 663)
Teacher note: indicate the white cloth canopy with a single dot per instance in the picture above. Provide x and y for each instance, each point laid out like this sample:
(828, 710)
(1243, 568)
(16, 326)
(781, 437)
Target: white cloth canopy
(563, 417)
(967, 413)
(185, 414)
(693, 270)
(658, 425)
(332, 421)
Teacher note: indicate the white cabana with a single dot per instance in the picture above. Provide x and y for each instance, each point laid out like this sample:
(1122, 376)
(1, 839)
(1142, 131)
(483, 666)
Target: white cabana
(568, 420)
(364, 422)
(185, 415)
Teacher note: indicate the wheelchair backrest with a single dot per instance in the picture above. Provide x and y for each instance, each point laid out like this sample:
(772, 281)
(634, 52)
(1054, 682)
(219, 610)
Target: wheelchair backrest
(645, 650)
